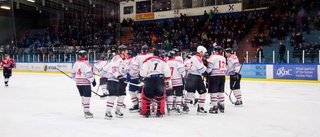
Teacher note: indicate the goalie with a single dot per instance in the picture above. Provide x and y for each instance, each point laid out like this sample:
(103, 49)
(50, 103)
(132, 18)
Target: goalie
(154, 71)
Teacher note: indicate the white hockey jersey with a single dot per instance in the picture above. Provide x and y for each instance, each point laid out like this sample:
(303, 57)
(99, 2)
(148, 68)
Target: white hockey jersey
(177, 72)
(179, 59)
(134, 74)
(82, 72)
(137, 64)
(115, 68)
(233, 64)
(187, 64)
(197, 67)
(99, 65)
(216, 65)
(155, 66)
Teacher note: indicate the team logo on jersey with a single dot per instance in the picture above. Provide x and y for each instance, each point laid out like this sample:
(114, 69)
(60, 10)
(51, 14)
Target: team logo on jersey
(282, 72)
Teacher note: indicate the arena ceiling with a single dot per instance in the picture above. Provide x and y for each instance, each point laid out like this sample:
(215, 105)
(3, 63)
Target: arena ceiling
(56, 7)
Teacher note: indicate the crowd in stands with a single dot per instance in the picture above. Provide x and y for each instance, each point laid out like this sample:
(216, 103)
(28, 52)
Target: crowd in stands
(187, 32)
(295, 17)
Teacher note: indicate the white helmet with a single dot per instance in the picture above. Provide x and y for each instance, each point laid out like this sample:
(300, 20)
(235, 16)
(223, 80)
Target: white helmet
(201, 48)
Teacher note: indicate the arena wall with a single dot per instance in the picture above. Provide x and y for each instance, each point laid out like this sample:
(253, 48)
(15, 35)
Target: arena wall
(308, 72)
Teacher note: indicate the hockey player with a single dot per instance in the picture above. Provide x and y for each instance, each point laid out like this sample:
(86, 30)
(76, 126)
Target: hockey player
(103, 80)
(82, 74)
(177, 74)
(216, 70)
(133, 77)
(154, 71)
(115, 71)
(187, 63)
(194, 80)
(235, 76)
(177, 56)
(134, 74)
(7, 64)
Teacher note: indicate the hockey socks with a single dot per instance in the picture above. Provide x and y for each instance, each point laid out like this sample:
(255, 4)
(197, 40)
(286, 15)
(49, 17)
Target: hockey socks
(6, 80)
(86, 104)
(134, 98)
(237, 93)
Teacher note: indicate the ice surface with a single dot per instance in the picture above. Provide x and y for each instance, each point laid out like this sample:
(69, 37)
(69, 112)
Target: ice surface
(48, 105)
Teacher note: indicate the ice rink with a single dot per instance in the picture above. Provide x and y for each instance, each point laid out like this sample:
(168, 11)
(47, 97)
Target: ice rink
(48, 105)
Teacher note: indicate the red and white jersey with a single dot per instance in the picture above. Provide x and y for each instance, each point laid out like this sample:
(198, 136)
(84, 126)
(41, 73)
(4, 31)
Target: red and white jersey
(134, 74)
(179, 59)
(233, 64)
(137, 63)
(99, 65)
(177, 72)
(153, 66)
(216, 65)
(197, 67)
(9, 64)
(82, 72)
(187, 64)
(115, 68)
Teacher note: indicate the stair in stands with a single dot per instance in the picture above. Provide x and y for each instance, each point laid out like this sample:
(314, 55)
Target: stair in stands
(127, 36)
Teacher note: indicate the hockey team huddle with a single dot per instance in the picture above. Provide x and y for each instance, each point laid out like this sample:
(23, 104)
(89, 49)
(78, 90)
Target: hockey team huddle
(159, 82)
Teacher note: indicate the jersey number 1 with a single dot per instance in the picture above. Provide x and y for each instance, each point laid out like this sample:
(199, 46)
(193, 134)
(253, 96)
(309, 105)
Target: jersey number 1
(155, 66)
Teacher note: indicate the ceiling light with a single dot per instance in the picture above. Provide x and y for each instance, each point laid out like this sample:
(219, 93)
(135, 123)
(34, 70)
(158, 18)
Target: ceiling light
(5, 7)
(31, 1)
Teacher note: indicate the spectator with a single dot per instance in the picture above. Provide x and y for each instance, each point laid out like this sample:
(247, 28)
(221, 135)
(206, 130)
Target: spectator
(282, 51)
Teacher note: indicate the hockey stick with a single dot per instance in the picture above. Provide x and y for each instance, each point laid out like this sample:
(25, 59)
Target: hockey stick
(234, 83)
(72, 79)
(138, 85)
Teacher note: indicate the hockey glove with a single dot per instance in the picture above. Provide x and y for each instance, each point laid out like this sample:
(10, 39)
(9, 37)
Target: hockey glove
(128, 77)
(94, 83)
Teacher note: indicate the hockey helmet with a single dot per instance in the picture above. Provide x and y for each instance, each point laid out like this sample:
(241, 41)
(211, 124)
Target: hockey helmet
(122, 48)
(132, 53)
(145, 48)
(219, 49)
(229, 50)
(81, 53)
(201, 49)
(176, 50)
(102, 57)
(171, 54)
(189, 56)
(6, 55)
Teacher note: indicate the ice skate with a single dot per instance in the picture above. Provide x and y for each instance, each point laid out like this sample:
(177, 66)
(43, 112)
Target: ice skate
(135, 108)
(238, 103)
(119, 114)
(221, 108)
(185, 109)
(179, 111)
(147, 114)
(88, 115)
(201, 111)
(6, 85)
(158, 113)
(108, 115)
(213, 110)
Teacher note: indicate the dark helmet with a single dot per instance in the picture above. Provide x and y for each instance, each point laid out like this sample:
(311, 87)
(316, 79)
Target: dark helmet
(175, 50)
(122, 48)
(171, 54)
(189, 56)
(81, 53)
(6, 55)
(219, 49)
(132, 53)
(229, 50)
(102, 57)
(145, 48)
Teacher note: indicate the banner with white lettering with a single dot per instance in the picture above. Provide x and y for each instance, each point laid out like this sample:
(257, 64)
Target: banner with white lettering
(294, 71)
